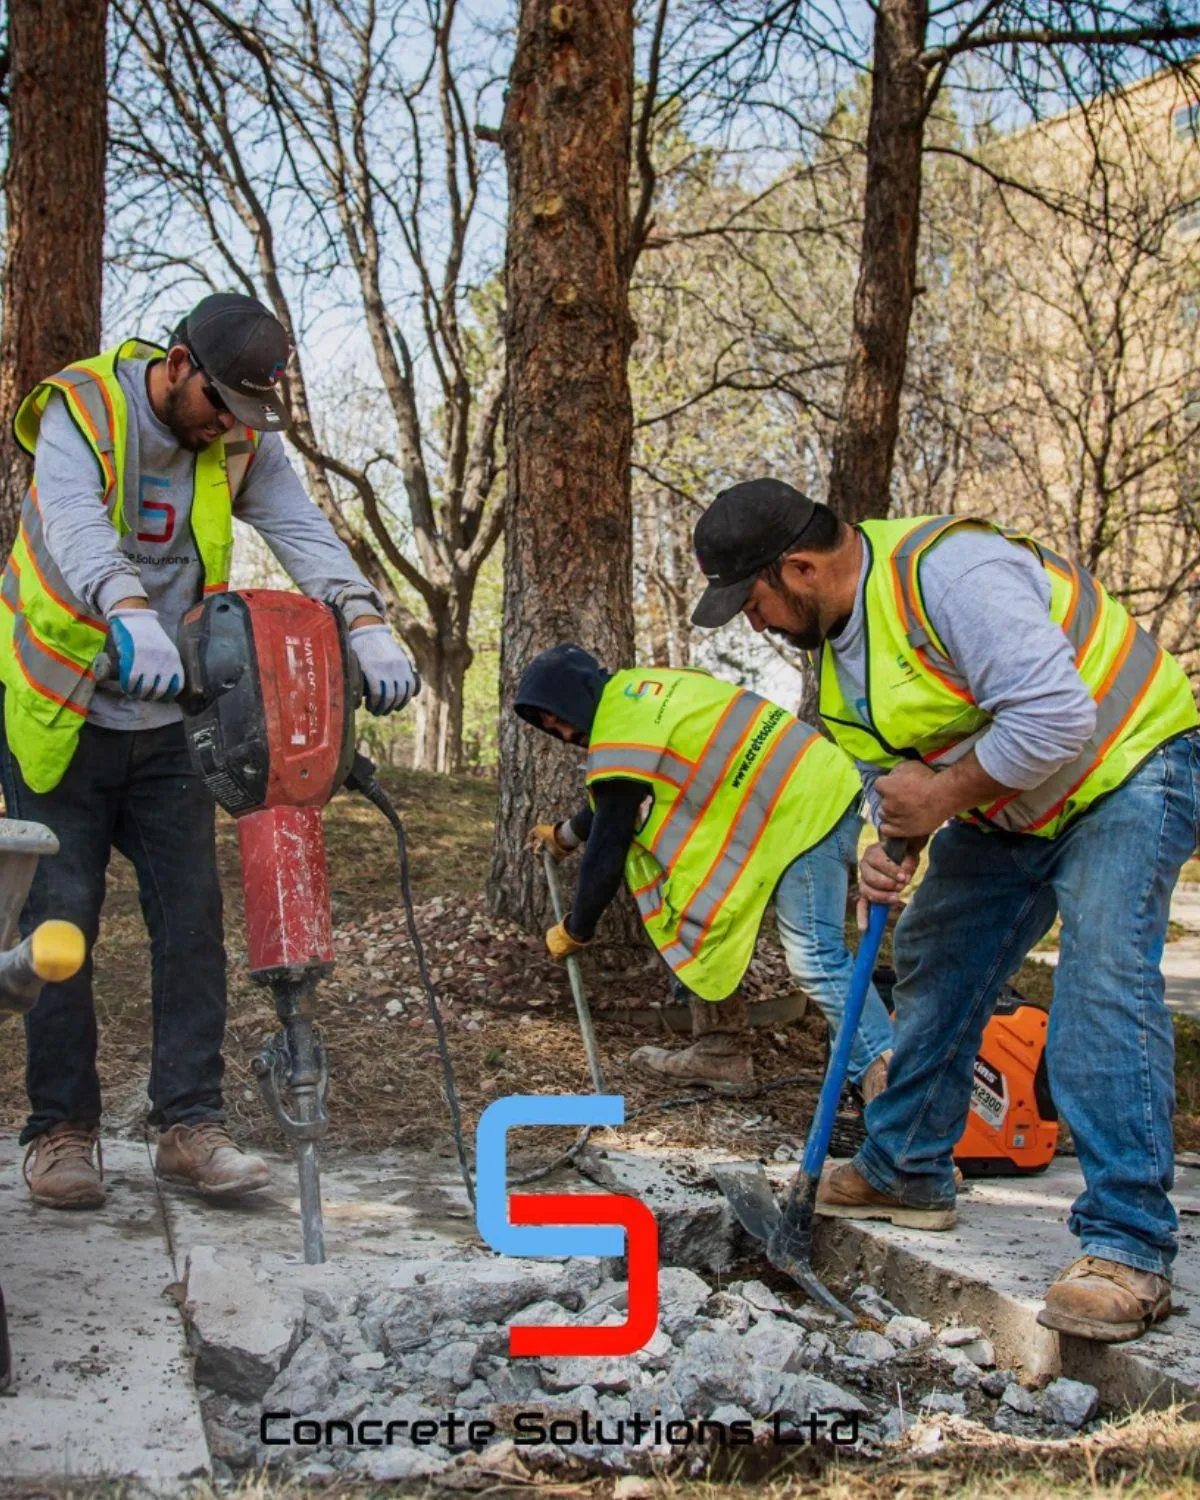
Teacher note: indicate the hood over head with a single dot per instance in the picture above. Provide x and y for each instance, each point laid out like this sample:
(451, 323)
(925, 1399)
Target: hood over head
(565, 681)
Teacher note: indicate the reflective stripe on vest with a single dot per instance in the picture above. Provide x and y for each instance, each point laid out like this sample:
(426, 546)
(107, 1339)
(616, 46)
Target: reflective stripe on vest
(48, 639)
(1142, 696)
(740, 790)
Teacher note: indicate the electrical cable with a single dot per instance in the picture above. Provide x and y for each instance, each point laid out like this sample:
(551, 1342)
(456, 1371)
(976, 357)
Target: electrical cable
(362, 779)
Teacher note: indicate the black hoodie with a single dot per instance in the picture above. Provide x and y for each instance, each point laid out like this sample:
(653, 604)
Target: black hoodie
(567, 681)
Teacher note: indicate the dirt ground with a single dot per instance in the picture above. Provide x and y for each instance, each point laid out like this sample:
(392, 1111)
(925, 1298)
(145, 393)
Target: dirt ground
(507, 1006)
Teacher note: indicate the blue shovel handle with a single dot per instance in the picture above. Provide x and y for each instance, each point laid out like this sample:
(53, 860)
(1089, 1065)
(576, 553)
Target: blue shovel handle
(839, 1062)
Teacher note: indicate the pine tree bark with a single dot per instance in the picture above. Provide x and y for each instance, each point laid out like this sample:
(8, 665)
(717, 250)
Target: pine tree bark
(54, 194)
(568, 523)
(865, 440)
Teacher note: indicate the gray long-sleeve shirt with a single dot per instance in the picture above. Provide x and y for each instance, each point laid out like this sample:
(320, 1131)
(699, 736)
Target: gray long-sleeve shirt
(989, 602)
(157, 559)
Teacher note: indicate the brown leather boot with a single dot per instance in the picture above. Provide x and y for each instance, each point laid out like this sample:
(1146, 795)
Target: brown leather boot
(874, 1080)
(845, 1194)
(719, 1058)
(59, 1168)
(204, 1157)
(1105, 1300)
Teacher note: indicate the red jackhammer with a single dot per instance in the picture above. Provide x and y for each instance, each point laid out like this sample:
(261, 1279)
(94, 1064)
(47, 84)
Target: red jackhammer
(270, 690)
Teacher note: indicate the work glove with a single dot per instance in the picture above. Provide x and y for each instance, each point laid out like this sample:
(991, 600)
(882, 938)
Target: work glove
(148, 665)
(550, 836)
(388, 676)
(560, 944)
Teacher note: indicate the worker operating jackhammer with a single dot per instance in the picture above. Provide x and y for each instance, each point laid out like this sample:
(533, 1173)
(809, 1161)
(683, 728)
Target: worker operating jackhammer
(1001, 701)
(710, 801)
(142, 457)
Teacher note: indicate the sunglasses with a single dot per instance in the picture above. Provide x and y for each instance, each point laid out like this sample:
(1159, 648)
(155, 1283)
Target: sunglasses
(207, 390)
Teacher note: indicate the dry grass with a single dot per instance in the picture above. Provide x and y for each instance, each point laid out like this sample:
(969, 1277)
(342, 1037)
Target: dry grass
(1145, 1455)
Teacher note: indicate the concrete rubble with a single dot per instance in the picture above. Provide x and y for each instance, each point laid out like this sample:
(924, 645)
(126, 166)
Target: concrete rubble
(432, 1339)
(265, 1361)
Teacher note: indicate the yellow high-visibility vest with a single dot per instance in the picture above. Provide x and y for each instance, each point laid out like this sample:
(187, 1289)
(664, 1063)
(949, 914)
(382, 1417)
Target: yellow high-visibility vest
(918, 703)
(48, 639)
(741, 789)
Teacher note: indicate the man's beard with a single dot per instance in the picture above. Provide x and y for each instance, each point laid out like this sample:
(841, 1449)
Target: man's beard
(807, 635)
(187, 436)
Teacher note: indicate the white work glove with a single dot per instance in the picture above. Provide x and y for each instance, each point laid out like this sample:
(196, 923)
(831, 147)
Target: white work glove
(148, 665)
(388, 676)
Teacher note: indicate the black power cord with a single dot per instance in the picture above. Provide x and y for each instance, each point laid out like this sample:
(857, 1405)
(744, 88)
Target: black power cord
(362, 779)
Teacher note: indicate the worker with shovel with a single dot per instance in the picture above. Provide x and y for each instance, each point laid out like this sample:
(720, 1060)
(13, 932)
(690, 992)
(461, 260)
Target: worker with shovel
(710, 801)
(1000, 701)
(142, 457)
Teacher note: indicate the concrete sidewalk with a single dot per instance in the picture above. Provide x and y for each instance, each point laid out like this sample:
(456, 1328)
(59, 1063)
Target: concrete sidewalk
(103, 1382)
(1010, 1241)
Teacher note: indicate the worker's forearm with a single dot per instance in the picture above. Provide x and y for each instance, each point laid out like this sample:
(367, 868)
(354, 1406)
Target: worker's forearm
(603, 868)
(966, 784)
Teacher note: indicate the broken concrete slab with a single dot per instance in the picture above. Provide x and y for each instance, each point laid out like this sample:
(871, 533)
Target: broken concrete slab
(1009, 1243)
(103, 1379)
(990, 1269)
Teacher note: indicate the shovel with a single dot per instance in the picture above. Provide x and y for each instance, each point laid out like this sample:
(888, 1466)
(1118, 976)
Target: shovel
(787, 1233)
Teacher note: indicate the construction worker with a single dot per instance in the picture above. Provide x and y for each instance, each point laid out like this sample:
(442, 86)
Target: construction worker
(142, 456)
(710, 801)
(998, 699)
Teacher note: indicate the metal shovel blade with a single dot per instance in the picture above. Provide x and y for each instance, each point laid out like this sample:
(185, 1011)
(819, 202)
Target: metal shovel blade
(787, 1245)
(749, 1194)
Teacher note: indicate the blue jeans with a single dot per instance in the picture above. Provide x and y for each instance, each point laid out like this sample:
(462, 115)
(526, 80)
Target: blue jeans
(986, 899)
(810, 909)
(134, 791)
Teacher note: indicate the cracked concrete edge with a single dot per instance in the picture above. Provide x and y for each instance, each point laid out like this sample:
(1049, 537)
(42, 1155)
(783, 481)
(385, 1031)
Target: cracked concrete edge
(1124, 1374)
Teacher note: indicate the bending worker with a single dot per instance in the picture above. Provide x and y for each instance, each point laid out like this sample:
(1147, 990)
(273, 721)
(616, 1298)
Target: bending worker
(711, 801)
(142, 456)
(990, 685)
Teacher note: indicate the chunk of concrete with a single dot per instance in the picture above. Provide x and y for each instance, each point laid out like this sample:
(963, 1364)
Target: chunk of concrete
(955, 1338)
(1069, 1403)
(241, 1329)
(308, 1380)
(907, 1332)
(715, 1368)
(1020, 1400)
(869, 1346)
(807, 1395)
(696, 1227)
(950, 1402)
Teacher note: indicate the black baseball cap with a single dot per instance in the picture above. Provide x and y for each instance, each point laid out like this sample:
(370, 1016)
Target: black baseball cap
(242, 349)
(746, 527)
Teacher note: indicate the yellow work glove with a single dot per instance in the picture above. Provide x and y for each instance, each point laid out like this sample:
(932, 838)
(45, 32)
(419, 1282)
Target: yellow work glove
(546, 836)
(560, 944)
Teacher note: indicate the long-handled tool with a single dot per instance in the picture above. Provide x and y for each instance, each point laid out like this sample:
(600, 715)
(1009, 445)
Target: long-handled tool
(581, 1006)
(787, 1233)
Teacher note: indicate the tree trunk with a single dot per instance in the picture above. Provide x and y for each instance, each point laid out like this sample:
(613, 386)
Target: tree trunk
(54, 191)
(437, 738)
(865, 441)
(568, 523)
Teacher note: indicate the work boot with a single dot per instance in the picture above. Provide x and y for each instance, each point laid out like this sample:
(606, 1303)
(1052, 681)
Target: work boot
(1105, 1300)
(874, 1080)
(59, 1168)
(204, 1157)
(718, 1059)
(845, 1194)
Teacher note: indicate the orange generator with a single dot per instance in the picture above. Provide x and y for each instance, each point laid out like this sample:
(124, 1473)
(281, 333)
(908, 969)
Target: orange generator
(1012, 1127)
